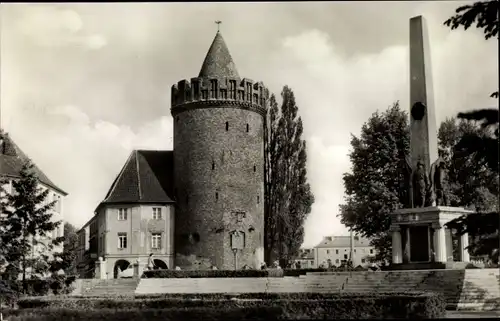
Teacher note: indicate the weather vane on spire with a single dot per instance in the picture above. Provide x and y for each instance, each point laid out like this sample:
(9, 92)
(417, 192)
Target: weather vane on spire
(218, 22)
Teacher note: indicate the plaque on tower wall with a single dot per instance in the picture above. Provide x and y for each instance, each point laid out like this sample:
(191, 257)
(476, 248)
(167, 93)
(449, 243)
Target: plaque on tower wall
(237, 240)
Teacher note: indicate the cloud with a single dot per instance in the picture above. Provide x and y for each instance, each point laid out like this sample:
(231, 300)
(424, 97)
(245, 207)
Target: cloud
(51, 27)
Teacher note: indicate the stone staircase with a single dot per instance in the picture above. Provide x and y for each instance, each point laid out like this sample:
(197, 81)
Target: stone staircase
(447, 282)
(325, 282)
(286, 284)
(113, 287)
(202, 285)
(480, 291)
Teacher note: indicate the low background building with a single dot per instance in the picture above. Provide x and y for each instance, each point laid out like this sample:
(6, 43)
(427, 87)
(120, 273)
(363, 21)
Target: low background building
(337, 249)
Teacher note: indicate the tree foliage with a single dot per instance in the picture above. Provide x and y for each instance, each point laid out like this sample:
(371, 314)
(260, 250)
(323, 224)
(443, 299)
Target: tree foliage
(27, 225)
(288, 196)
(481, 145)
(484, 14)
(67, 258)
(473, 183)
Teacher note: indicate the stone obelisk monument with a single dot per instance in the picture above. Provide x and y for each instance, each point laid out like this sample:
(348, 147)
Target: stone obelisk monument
(420, 239)
(422, 113)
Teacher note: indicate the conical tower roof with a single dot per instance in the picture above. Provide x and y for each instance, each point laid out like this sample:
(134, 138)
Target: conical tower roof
(218, 62)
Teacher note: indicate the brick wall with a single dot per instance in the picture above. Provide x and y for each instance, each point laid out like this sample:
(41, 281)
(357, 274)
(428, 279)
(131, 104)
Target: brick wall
(218, 171)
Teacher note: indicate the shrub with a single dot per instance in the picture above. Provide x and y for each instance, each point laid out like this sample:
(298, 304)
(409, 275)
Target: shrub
(471, 266)
(8, 296)
(298, 272)
(206, 274)
(293, 305)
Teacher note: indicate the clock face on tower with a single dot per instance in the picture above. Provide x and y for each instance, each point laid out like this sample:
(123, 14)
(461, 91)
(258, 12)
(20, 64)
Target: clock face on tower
(418, 111)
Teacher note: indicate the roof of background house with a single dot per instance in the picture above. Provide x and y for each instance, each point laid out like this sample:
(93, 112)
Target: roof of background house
(342, 241)
(12, 159)
(146, 177)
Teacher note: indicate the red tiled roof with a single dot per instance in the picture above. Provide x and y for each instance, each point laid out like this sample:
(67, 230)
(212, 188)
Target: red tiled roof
(146, 177)
(12, 159)
(218, 62)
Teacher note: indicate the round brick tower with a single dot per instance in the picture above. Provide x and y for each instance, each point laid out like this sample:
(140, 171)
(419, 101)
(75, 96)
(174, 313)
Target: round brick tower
(219, 165)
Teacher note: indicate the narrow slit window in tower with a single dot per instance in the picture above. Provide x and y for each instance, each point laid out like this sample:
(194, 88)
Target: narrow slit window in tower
(213, 165)
(248, 128)
(254, 168)
(258, 199)
(227, 126)
(216, 196)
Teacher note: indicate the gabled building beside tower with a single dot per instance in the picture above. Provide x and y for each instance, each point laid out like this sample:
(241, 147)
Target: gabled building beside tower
(12, 160)
(202, 204)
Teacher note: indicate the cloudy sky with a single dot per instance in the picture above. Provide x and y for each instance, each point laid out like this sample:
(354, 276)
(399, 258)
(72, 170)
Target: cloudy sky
(84, 84)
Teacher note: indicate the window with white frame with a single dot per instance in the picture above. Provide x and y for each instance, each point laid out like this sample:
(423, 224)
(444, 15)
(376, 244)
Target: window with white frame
(156, 213)
(156, 241)
(58, 203)
(122, 240)
(122, 214)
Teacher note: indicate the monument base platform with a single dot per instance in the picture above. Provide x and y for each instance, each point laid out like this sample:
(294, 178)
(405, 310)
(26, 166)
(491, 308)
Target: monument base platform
(420, 237)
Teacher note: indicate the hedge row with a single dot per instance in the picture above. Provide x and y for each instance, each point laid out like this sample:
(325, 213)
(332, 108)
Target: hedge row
(150, 300)
(241, 273)
(178, 313)
(36, 287)
(292, 305)
(210, 274)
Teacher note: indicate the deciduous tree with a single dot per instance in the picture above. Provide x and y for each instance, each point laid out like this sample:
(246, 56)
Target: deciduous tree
(373, 187)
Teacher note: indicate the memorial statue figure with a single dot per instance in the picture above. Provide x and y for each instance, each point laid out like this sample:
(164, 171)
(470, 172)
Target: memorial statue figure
(406, 188)
(438, 182)
(420, 184)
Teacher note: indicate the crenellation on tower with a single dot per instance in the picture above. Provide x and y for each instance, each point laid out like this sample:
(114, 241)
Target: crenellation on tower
(253, 95)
